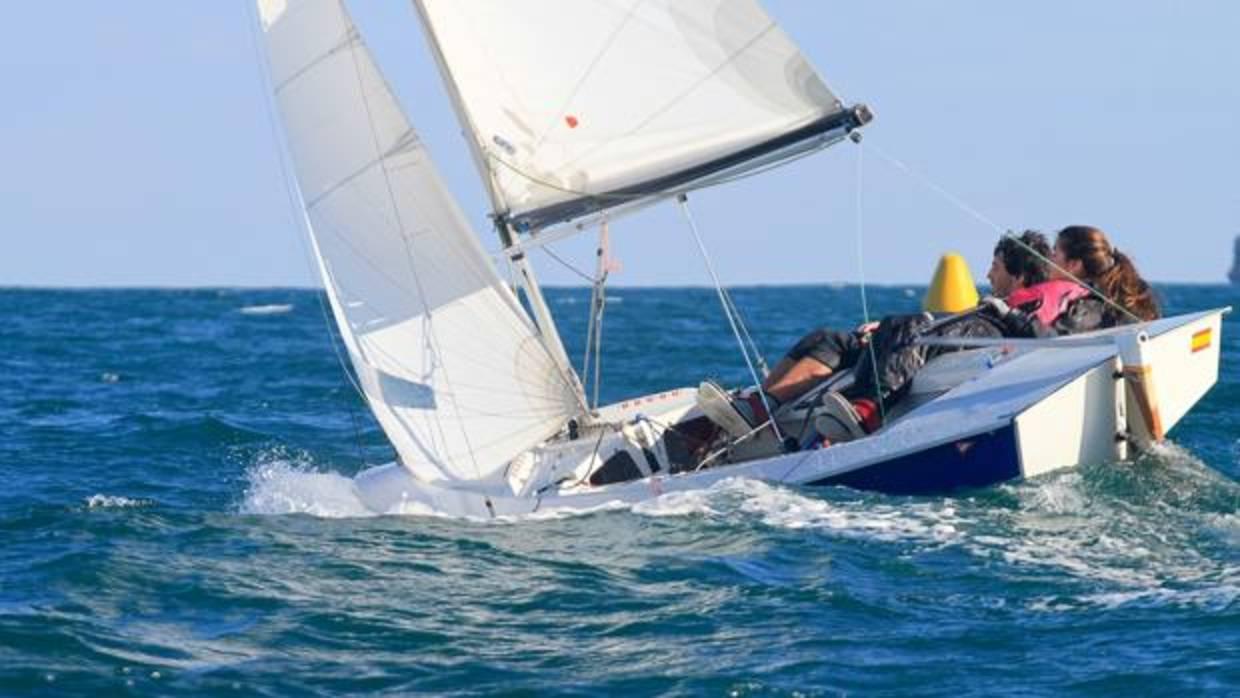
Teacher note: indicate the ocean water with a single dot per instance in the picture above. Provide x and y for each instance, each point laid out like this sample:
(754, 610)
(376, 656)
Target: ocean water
(176, 518)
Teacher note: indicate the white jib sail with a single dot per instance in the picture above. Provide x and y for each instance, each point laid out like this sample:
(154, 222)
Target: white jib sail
(450, 364)
(573, 98)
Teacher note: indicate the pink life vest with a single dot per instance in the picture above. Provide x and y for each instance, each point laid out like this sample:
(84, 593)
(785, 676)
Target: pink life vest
(1052, 298)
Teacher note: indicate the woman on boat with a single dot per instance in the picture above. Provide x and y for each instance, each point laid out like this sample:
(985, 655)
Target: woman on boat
(1120, 296)
(1018, 271)
(1035, 306)
(1092, 286)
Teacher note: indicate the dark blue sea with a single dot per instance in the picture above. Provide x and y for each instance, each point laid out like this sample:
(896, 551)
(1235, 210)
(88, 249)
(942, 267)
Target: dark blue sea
(176, 518)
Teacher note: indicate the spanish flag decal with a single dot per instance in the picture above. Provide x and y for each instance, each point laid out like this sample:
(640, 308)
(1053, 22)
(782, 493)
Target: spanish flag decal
(1201, 339)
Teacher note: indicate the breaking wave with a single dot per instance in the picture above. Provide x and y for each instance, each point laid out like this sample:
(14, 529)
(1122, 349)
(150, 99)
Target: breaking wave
(283, 484)
(104, 501)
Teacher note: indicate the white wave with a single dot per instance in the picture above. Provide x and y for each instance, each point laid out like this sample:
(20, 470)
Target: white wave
(273, 309)
(1218, 597)
(926, 522)
(1061, 495)
(1215, 597)
(1225, 527)
(558, 514)
(788, 509)
(782, 507)
(283, 487)
(689, 503)
(104, 501)
(283, 483)
(1123, 552)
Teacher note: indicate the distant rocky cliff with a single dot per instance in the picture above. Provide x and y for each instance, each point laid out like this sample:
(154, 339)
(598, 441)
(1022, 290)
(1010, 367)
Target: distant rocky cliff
(1234, 274)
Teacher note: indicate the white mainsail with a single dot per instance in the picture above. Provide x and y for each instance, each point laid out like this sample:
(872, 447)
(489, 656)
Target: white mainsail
(581, 105)
(450, 364)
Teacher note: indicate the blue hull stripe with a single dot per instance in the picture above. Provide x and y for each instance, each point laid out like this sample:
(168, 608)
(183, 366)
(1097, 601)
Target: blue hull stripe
(978, 461)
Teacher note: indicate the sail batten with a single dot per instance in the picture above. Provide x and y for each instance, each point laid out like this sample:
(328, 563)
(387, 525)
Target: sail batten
(452, 368)
(574, 107)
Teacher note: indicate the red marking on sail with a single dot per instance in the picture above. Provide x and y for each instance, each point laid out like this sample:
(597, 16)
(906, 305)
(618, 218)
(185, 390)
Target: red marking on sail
(571, 121)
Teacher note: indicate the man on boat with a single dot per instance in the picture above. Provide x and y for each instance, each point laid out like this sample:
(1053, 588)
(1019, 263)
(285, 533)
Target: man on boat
(884, 356)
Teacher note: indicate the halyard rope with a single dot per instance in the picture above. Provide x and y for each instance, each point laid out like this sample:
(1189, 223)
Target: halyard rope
(683, 200)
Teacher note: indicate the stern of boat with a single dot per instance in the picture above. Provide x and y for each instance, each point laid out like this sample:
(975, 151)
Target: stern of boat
(1167, 369)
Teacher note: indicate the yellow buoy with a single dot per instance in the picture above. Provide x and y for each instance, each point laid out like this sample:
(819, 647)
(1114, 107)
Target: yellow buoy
(952, 289)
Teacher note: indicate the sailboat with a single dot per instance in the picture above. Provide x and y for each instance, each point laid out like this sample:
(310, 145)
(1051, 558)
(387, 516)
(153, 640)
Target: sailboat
(576, 113)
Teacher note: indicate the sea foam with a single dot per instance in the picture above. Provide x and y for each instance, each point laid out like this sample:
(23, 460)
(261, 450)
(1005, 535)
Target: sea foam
(288, 487)
(104, 501)
(783, 507)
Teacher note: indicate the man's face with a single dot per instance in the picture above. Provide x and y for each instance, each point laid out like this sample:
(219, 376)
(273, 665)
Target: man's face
(1001, 282)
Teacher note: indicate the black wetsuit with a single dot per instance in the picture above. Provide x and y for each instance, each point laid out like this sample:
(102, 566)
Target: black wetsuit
(1086, 315)
(896, 354)
(898, 357)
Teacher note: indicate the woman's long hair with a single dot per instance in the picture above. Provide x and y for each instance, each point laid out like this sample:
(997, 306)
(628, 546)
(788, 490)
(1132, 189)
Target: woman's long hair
(1108, 270)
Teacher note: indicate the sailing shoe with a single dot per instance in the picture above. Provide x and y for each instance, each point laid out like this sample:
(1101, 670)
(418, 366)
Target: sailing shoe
(837, 419)
(736, 415)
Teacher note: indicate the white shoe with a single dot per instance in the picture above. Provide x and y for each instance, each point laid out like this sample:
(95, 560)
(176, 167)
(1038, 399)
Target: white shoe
(719, 407)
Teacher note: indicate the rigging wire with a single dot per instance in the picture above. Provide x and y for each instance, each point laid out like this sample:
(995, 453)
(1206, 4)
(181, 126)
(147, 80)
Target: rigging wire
(683, 200)
(564, 263)
(598, 303)
(753, 345)
(590, 329)
(1004, 232)
(865, 305)
(594, 328)
(604, 270)
(293, 195)
(600, 307)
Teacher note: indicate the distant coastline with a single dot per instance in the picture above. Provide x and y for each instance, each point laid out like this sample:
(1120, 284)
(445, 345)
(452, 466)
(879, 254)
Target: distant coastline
(1234, 274)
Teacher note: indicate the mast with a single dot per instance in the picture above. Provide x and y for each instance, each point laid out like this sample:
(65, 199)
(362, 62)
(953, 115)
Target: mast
(507, 234)
(542, 313)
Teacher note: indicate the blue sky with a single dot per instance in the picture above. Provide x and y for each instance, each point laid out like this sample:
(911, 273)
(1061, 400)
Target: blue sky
(137, 149)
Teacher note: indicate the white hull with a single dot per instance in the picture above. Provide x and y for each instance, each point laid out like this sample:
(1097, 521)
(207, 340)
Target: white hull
(1032, 408)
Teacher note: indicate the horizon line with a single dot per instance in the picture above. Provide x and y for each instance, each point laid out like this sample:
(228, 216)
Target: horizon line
(297, 287)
